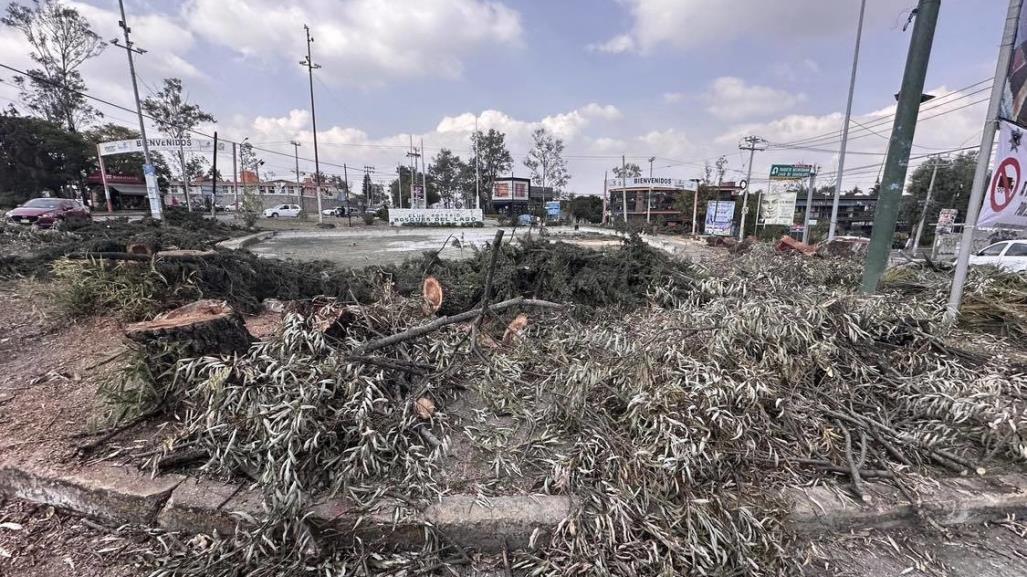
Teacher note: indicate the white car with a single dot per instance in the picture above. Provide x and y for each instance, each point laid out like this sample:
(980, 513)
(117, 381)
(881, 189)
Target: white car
(1010, 255)
(284, 210)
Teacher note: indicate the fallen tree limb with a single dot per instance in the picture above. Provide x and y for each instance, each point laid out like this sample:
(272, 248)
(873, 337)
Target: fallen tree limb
(440, 322)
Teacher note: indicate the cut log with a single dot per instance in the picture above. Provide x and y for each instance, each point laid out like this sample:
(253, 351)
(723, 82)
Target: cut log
(203, 327)
(143, 248)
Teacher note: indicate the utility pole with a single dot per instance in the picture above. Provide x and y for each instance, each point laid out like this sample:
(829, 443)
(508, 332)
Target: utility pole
(809, 203)
(424, 176)
(903, 131)
(606, 191)
(624, 188)
(981, 171)
(752, 144)
(213, 179)
(399, 185)
(927, 205)
(345, 180)
(695, 207)
(149, 173)
(309, 63)
(845, 126)
(235, 177)
(413, 155)
(477, 180)
(649, 200)
(296, 157)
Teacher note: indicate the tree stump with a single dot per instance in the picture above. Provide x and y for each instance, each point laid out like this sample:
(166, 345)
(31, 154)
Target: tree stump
(204, 327)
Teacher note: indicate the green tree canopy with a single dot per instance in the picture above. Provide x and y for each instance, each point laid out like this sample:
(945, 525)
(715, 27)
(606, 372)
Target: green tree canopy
(61, 41)
(492, 159)
(951, 190)
(38, 155)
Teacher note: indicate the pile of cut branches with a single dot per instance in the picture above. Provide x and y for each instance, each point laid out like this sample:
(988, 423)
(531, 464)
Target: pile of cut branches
(672, 425)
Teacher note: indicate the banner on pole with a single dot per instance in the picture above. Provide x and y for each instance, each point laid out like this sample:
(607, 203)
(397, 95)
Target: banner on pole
(1014, 98)
(1005, 201)
(719, 217)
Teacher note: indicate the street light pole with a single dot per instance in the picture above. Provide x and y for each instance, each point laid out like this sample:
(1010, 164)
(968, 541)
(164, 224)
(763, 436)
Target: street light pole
(649, 200)
(927, 205)
(152, 190)
(309, 63)
(845, 126)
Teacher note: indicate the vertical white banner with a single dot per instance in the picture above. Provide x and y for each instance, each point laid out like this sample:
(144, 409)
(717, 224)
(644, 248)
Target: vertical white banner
(1005, 202)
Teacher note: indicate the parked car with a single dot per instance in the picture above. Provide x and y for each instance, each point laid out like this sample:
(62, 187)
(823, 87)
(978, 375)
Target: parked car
(283, 210)
(1010, 255)
(337, 211)
(48, 212)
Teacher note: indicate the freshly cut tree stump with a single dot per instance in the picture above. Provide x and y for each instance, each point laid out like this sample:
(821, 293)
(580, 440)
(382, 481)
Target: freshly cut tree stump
(204, 327)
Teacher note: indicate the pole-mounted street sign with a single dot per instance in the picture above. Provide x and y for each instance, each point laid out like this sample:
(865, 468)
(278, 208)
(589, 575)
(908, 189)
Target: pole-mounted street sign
(790, 171)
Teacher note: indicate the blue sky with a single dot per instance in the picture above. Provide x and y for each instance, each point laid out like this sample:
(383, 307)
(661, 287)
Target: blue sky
(678, 79)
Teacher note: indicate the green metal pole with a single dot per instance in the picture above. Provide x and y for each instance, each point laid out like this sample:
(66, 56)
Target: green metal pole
(902, 134)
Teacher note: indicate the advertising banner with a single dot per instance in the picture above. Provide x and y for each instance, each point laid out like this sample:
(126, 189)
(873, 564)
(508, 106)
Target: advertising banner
(1014, 98)
(520, 190)
(501, 190)
(434, 216)
(199, 145)
(719, 217)
(1005, 203)
(778, 204)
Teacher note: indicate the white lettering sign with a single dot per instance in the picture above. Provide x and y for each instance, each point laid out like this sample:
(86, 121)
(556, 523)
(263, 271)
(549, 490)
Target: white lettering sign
(655, 182)
(434, 216)
(159, 144)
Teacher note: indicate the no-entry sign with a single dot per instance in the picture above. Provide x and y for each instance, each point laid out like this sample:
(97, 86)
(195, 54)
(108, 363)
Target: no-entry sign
(1005, 205)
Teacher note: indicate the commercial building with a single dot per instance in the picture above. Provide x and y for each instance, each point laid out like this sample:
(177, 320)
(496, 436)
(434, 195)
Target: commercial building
(513, 195)
(855, 212)
(656, 199)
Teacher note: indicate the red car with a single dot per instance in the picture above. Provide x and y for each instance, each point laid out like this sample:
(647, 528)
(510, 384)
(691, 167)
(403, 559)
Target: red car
(48, 212)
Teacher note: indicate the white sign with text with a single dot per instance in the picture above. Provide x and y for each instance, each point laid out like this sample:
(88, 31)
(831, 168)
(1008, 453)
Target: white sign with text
(434, 216)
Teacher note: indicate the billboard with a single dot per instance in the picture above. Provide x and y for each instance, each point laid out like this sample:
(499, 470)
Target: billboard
(501, 190)
(777, 206)
(1005, 199)
(719, 216)
(520, 190)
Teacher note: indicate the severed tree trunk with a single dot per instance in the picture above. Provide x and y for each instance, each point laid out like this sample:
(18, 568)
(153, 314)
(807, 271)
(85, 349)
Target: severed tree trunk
(204, 327)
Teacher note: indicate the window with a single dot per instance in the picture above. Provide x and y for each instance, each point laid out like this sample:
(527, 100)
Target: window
(993, 250)
(1017, 249)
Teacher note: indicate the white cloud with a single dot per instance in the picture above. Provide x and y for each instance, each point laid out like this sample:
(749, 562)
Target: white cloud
(615, 45)
(944, 124)
(359, 41)
(731, 98)
(691, 24)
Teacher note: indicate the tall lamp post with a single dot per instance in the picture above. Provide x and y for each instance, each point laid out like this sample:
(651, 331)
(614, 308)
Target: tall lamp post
(313, 120)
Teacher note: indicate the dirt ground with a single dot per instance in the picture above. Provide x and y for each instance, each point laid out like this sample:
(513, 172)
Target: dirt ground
(49, 372)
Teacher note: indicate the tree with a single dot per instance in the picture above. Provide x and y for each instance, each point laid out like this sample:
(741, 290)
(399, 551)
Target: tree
(176, 117)
(545, 160)
(492, 159)
(38, 155)
(588, 208)
(61, 41)
(446, 171)
(721, 168)
(367, 189)
(951, 190)
(628, 170)
(404, 177)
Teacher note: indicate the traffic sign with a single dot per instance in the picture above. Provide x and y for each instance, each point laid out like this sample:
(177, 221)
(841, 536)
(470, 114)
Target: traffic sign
(1004, 183)
(790, 171)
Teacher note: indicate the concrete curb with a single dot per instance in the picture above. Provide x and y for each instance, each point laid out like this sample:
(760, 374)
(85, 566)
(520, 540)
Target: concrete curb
(123, 495)
(953, 501)
(120, 494)
(246, 241)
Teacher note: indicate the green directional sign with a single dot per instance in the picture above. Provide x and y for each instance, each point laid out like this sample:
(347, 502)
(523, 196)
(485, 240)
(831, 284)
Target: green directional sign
(790, 171)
